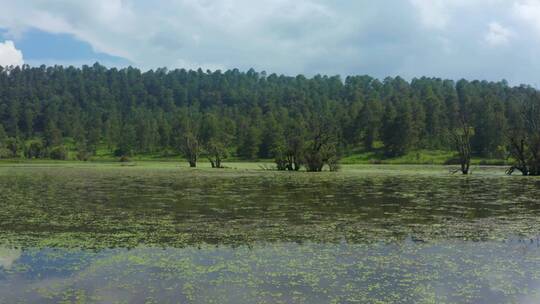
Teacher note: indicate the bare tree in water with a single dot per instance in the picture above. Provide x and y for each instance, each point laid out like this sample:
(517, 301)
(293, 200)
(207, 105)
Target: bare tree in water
(525, 139)
(462, 142)
(190, 148)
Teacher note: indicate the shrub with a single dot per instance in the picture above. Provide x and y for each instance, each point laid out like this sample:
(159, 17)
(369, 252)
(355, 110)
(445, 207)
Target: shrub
(83, 155)
(14, 147)
(5, 153)
(123, 152)
(333, 164)
(374, 161)
(58, 153)
(34, 149)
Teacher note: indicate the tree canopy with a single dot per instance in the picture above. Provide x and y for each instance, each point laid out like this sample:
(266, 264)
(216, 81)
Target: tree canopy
(250, 115)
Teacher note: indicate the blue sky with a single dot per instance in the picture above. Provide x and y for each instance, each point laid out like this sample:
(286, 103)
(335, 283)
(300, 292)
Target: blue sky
(40, 47)
(474, 39)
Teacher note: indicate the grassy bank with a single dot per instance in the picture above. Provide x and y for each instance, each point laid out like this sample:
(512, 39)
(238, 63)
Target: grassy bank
(146, 167)
(421, 157)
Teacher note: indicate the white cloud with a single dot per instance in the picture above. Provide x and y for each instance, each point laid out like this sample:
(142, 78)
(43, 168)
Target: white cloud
(432, 12)
(224, 33)
(381, 38)
(528, 12)
(9, 55)
(437, 14)
(497, 34)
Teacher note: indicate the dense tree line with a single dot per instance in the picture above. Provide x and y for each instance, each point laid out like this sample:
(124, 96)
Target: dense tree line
(298, 121)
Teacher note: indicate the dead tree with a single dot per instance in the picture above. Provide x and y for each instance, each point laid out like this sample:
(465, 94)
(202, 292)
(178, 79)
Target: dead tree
(321, 150)
(216, 152)
(190, 148)
(525, 142)
(518, 152)
(462, 142)
(312, 146)
(313, 154)
(289, 155)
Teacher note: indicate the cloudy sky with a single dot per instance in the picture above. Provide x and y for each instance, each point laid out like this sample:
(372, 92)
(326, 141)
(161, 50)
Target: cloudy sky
(474, 39)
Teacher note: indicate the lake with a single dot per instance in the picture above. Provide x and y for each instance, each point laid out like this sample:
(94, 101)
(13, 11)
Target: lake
(165, 234)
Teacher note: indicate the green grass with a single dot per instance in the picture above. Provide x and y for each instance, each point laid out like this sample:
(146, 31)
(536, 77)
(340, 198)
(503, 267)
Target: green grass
(358, 157)
(141, 163)
(420, 157)
(437, 158)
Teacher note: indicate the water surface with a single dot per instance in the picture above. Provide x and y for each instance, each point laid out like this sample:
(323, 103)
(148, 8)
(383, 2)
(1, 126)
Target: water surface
(385, 234)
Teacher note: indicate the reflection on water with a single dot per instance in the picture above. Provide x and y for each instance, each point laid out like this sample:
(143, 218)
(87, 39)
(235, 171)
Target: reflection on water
(8, 256)
(281, 272)
(139, 235)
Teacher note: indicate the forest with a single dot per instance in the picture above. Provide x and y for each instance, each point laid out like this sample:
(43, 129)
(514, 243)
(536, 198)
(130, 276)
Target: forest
(299, 122)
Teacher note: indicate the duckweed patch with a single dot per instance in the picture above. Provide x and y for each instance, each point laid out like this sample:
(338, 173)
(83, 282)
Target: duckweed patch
(149, 234)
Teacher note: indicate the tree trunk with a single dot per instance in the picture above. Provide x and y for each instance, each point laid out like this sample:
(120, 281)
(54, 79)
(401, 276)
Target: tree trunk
(465, 167)
(192, 159)
(462, 141)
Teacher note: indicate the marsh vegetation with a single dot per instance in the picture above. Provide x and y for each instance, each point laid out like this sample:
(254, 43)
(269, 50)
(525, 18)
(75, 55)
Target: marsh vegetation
(158, 233)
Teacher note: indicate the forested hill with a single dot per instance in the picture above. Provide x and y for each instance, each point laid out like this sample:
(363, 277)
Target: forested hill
(245, 114)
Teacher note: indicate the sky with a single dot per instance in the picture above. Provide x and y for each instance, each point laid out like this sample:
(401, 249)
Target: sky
(472, 39)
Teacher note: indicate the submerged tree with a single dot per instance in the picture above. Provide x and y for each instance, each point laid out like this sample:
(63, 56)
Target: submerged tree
(312, 144)
(214, 139)
(462, 143)
(463, 131)
(321, 147)
(216, 152)
(187, 130)
(289, 150)
(190, 148)
(525, 139)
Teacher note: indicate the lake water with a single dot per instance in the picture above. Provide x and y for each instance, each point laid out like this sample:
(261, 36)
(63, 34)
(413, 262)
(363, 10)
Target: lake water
(162, 234)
